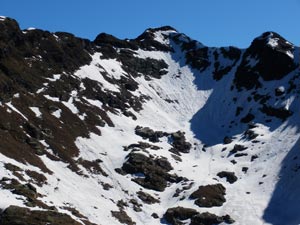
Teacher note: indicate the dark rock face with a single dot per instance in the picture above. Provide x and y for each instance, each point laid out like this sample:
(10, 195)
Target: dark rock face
(15, 215)
(175, 216)
(28, 59)
(150, 68)
(274, 63)
(66, 53)
(198, 58)
(231, 53)
(209, 195)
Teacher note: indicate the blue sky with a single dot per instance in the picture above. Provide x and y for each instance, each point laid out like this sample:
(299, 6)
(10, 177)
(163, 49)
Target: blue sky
(212, 22)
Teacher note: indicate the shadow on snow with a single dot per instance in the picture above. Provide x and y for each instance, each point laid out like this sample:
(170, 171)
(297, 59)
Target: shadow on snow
(214, 121)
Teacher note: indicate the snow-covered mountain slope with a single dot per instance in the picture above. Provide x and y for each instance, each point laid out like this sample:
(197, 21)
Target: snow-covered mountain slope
(156, 130)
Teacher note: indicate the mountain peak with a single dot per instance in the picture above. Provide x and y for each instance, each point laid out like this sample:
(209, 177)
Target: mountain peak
(271, 35)
(270, 57)
(158, 34)
(274, 41)
(162, 28)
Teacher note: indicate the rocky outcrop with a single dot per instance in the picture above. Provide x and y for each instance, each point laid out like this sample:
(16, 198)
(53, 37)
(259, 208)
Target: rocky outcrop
(281, 113)
(148, 133)
(237, 149)
(230, 176)
(150, 172)
(179, 143)
(198, 58)
(176, 216)
(147, 198)
(148, 42)
(122, 217)
(24, 216)
(209, 195)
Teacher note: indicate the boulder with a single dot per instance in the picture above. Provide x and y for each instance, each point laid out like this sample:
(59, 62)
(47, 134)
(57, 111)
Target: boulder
(176, 216)
(230, 176)
(209, 195)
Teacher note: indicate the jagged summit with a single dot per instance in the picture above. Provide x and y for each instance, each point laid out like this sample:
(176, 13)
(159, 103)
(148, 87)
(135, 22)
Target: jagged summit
(159, 129)
(162, 28)
(270, 38)
(274, 41)
(152, 33)
(152, 38)
(269, 57)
